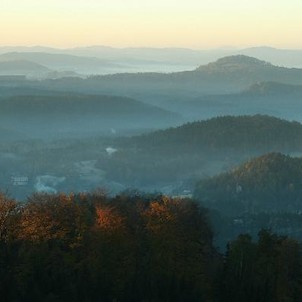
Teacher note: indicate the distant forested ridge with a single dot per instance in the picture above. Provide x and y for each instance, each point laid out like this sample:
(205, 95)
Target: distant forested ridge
(70, 104)
(75, 115)
(198, 149)
(21, 67)
(226, 86)
(269, 183)
(258, 133)
(227, 75)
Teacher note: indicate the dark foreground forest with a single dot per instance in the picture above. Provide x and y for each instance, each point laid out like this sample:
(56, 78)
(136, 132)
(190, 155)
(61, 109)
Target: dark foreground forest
(134, 247)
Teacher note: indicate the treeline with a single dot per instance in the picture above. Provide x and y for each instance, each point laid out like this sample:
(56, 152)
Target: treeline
(133, 247)
(89, 247)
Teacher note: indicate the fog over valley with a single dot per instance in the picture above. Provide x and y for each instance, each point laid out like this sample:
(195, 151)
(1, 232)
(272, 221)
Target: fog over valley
(74, 133)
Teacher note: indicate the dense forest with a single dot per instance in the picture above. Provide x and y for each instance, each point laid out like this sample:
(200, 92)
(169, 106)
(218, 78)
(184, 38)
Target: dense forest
(134, 247)
(256, 133)
(264, 192)
(270, 183)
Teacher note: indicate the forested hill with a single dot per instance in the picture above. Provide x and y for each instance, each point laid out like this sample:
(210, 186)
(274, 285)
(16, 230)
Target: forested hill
(272, 182)
(240, 68)
(244, 69)
(68, 104)
(249, 134)
(74, 115)
(235, 63)
(21, 67)
(227, 75)
(196, 150)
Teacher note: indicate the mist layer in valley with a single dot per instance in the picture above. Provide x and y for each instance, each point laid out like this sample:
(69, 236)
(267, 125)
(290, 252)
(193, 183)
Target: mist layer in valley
(149, 131)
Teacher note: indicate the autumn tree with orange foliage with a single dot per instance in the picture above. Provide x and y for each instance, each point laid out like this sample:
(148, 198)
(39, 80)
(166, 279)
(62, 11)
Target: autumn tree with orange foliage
(134, 247)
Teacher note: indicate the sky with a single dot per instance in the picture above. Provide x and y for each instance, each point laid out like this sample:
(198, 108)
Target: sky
(157, 23)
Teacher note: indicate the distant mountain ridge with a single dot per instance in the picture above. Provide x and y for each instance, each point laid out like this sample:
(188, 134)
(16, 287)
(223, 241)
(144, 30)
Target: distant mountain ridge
(189, 57)
(235, 63)
(226, 75)
(13, 65)
(280, 57)
(258, 133)
(215, 89)
(51, 115)
(229, 72)
(62, 62)
(22, 67)
(77, 104)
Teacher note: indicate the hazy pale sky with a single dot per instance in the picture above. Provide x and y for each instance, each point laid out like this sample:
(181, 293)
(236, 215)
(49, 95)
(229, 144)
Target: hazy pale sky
(159, 23)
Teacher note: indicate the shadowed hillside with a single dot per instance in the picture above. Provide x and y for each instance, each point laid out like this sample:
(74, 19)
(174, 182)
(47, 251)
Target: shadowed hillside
(198, 149)
(76, 115)
(270, 183)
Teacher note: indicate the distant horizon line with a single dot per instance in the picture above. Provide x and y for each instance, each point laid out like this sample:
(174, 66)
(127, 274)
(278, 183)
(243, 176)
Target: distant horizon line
(230, 48)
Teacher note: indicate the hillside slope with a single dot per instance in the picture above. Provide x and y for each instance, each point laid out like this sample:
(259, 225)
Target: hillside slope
(81, 114)
(196, 150)
(258, 133)
(271, 182)
(22, 67)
